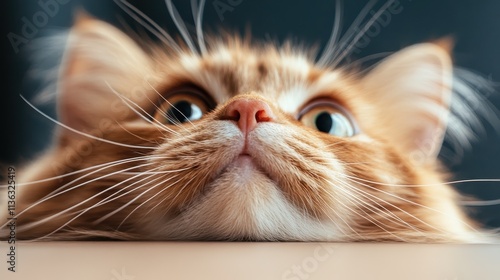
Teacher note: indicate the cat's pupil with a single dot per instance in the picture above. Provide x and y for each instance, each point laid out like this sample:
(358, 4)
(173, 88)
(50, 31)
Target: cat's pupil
(324, 122)
(183, 111)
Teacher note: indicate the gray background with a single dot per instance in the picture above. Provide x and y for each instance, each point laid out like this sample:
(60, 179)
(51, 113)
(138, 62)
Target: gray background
(475, 26)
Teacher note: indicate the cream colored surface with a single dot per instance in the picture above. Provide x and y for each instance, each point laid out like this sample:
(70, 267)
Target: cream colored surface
(178, 260)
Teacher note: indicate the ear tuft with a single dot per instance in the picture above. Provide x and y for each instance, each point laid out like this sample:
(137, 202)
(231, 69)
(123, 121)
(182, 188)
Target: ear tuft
(82, 17)
(446, 43)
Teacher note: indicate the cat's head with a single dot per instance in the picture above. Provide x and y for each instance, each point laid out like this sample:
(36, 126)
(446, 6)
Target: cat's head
(243, 141)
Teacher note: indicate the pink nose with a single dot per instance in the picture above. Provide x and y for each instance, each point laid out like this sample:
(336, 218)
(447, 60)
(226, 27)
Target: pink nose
(248, 112)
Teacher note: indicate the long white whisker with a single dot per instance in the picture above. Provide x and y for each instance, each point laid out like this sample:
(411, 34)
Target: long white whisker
(82, 133)
(481, 203)
(366, 194)
(426, 185)
(366, 216)
(52, 194)
(175, 108)
(143, 115)
(350, 31)
(34, 224)
(398, 219)
(82, 170)
(348, 49)
(198, 19)
(115, 197)
(155, 142)
(163, 200)
(149, 199)
(362, 60)
(102, 202)
(337, 214)
(159, 32)
(99, 170)
(330, 46)
(180, 25)
(169, 118)
(412, 202)
(136, 198)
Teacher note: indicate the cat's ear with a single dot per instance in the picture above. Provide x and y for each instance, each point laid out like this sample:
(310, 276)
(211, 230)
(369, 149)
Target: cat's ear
(412, 91)
(99, 61)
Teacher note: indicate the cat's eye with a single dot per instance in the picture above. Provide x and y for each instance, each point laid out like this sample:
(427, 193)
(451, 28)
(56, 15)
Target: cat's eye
(328, 117)
(183, 105)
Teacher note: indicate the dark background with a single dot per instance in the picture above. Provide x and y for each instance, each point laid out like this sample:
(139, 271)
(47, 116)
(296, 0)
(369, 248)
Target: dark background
(475, 26)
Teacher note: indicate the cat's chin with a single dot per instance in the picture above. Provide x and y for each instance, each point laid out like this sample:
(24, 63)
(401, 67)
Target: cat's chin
(245, 166)
(244, 161)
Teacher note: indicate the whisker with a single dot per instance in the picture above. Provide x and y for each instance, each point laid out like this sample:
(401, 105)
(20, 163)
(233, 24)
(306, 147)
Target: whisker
(172, 105)
(412, 202)
(366, 216)
(83, 133)
(167, 117)
(426, 185)
(78, 171)
(366, 194)
(155, 142)
(350, 31)
(149, 199)
(198, 20)
(102, 202)
(398, 219)
(136, 198)
(348, 49)
(364, 59)
(481, 202)
(174, 14)
(125, 191)
(99, 170)
(34, 224)
(53, 194)
(337, 214)
(330, 45)
(163, 200)
(157, 172)
(112, 198)
(143, 115)
(154, 28)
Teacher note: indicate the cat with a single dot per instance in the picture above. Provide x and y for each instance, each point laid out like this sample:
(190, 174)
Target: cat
(229, 139)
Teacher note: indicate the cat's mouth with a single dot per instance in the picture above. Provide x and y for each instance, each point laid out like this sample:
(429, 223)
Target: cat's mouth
(245, 164)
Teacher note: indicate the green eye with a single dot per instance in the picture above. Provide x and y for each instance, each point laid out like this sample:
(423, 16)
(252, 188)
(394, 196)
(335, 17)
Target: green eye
(328, 117)
(181, 106)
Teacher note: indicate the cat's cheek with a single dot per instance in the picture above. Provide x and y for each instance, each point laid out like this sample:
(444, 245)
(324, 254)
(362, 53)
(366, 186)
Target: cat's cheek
(278, 149)
(302, 167)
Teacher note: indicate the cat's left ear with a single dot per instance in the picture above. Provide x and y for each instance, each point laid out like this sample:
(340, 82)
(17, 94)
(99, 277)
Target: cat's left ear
(411, 90)
(100, 63)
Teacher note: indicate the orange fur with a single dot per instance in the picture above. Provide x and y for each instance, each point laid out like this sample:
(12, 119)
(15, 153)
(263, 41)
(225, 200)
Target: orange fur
(303, 184)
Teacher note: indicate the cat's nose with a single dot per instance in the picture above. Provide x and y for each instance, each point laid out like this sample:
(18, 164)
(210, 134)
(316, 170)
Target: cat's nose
(248, 112)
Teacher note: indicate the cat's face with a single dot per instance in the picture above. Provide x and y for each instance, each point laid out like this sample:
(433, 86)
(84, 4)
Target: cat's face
(243, 143)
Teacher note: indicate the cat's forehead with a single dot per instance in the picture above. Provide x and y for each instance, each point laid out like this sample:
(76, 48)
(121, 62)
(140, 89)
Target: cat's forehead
(284, 76)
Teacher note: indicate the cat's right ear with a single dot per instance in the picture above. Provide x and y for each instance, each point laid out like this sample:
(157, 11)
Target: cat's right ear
(99, 63)
(411, 90)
